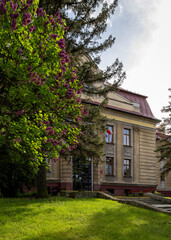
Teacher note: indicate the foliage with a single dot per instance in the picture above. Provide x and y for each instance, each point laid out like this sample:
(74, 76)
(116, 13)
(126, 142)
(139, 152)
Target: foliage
(87, 22)
(16, 170)
(39, 89)
(165, 142)
(66, 218)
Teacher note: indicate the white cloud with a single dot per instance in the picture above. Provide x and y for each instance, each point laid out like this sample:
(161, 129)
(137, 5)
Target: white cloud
(120, 9)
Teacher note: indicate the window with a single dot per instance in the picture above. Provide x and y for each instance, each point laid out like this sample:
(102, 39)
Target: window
(127, 137)
(109, 134)
(109, 166)
(127, 167)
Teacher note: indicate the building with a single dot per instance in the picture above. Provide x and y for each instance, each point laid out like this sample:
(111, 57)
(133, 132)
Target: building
(129, 162)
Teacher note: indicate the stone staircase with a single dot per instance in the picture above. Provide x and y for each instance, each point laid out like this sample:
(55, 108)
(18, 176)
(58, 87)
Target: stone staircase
(148, 202)
(158, 201)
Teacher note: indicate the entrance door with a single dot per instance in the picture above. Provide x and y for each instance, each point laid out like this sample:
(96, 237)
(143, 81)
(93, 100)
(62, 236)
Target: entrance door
(82, 174)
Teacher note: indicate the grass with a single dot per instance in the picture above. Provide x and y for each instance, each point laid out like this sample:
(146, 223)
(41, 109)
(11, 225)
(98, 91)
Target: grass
(78, 219)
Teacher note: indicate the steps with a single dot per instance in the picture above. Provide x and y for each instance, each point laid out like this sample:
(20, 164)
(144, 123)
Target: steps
(144, 202)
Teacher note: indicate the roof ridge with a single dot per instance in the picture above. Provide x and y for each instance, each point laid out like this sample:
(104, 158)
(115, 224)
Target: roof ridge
(125, 90)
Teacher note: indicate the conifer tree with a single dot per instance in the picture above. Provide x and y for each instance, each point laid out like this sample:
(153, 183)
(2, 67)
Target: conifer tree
(87, 21)
(165, 143)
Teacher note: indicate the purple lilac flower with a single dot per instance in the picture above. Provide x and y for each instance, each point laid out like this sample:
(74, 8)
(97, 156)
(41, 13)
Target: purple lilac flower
(51, 133)
(78, 118)
(46, 23)
(32, 29)
(57, 15)
(61, 43)
(63, 61)
(18, 139)
(30, 2)
(20, 112)
(67, 59)
(63, 69)
(2, 8)
(26, 19)
(55, 159)
(40, 12)
(46, 122)
(53, 36)
(80, 91)
(62, 150)
(15, 7)
(30, 67)
(11, 4)
(55, 142)
(26, 7)
(14, 16)
(14, 25)
(62, 53)
(48, 128)
(69, 148)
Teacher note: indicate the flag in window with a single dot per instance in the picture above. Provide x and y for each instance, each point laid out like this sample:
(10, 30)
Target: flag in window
(109, 132)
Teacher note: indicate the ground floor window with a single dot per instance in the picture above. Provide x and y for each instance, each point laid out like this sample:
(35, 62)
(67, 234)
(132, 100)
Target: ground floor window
(109, 165)
(127, 167)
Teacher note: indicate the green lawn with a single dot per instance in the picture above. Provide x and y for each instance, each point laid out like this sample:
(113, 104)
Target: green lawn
(73, 219)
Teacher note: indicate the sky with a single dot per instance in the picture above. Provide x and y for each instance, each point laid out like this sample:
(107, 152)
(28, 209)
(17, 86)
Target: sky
(143, 44)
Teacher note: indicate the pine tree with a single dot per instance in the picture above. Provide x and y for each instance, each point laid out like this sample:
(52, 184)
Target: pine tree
(87, 21)
(165, 143)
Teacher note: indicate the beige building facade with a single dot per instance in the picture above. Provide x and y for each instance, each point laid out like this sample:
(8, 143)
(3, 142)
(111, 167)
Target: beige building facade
(129, 161)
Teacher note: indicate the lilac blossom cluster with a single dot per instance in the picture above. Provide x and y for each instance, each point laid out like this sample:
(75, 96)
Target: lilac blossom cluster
(40, 12)
(20, 112)
(13, 6)
(70, 93)
(59, 141)
(2, 7)
(35, 78)
(26, 18)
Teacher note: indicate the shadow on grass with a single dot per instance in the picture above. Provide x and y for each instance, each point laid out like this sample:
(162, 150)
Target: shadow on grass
(120, 222)
(12, 209)
(16, 208)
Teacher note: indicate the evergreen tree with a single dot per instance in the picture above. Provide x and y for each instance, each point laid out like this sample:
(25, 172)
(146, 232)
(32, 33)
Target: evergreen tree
(165, 143)
(87, 21)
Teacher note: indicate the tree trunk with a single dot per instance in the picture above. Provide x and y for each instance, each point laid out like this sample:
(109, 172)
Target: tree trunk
(41, 182)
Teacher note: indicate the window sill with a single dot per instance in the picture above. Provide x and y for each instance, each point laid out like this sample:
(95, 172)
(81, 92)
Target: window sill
(110, 175)
(127, 176)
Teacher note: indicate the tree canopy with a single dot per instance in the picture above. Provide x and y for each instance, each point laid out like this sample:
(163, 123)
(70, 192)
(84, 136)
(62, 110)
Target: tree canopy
(39, 89)
(87, 22)
(164, 147)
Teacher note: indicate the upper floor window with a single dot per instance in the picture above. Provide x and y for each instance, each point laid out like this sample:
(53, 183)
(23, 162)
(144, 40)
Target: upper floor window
(109, 165)
(109, 134)
(127, 137)
(127, 167)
